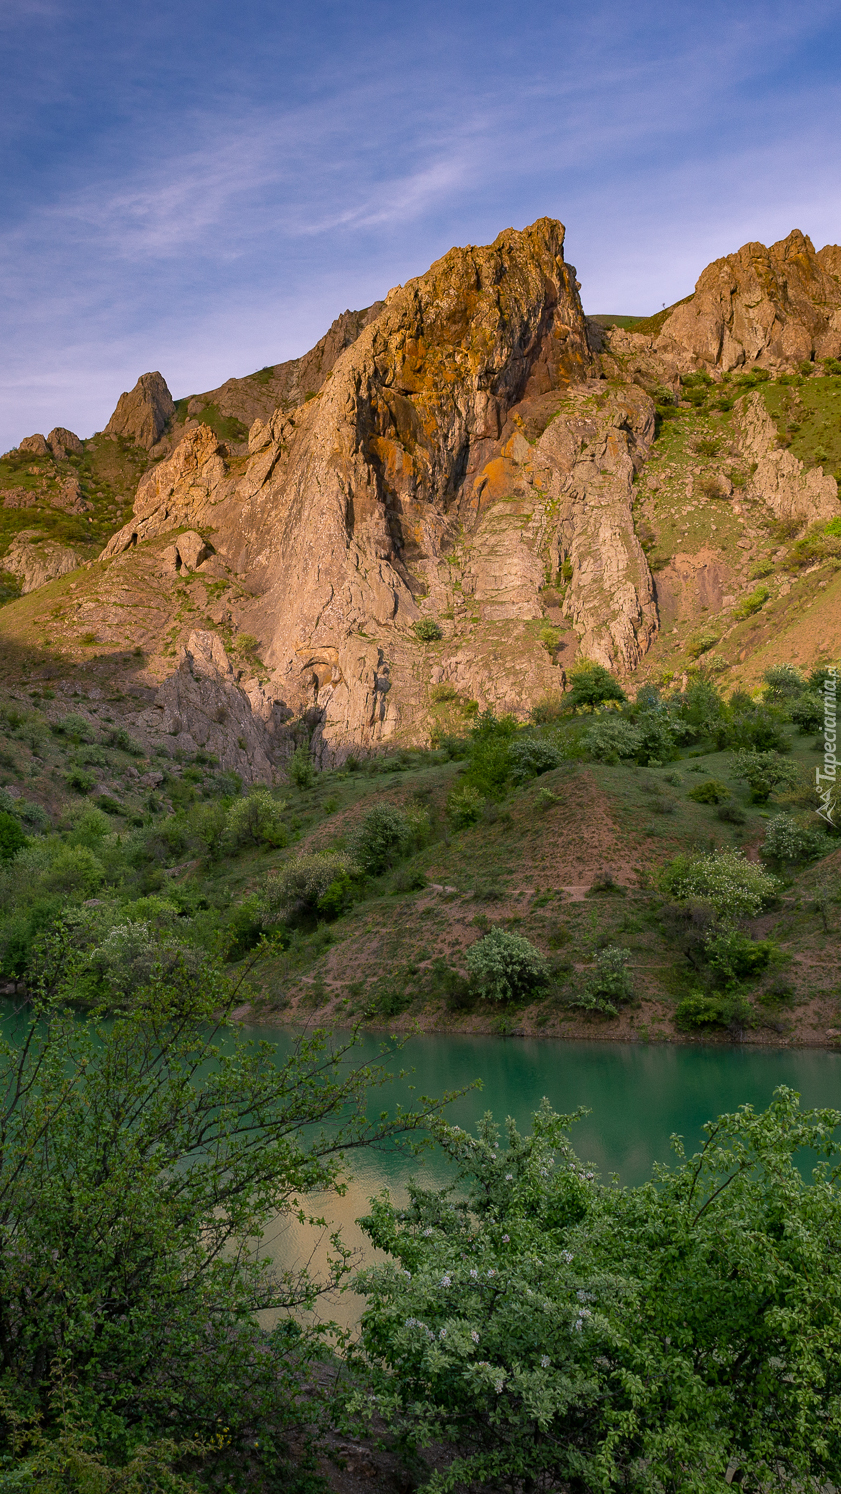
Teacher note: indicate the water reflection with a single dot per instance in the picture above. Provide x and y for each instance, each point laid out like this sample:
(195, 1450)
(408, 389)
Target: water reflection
(638, 1095)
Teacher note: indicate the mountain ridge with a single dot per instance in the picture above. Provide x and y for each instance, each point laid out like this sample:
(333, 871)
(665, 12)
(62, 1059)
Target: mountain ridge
(456, 493)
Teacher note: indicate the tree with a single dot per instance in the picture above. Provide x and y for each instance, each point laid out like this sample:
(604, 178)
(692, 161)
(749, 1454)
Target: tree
(592, 685)
(764, 772)
(560, 1333)
(141, 1162)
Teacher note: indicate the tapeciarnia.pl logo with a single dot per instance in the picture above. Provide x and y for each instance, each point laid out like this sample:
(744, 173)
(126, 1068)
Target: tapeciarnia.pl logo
(825, 780)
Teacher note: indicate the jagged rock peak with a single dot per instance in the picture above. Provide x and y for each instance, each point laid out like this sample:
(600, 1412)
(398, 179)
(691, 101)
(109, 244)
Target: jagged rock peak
(142, 414)
(769, 306)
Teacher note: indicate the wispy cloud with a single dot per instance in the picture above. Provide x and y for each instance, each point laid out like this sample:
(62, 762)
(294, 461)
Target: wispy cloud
(214, 218)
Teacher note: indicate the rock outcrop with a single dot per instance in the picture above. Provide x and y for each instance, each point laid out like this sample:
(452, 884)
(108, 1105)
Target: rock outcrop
(35, 561)
(36, 445)
(183, 489)
(285, 385)
(202, 706)
(143, 414)
(791, 490)
(772, 307)
(60, 441)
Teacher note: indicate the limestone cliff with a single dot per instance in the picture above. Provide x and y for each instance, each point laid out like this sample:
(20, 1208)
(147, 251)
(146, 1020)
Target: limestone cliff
(772, 307)
(459, 453)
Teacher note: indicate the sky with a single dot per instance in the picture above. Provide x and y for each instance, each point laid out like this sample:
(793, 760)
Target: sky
(201, 188)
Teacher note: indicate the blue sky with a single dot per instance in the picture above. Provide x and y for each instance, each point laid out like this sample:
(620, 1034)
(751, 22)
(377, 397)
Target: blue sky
(202, 187)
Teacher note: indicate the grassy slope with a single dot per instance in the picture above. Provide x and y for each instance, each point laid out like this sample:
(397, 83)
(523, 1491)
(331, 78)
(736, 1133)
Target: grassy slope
(527, 865)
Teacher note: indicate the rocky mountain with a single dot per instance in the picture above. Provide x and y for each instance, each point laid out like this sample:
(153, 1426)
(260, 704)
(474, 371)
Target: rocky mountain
(456, 493)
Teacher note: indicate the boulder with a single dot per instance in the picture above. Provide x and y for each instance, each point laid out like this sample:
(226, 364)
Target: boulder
(60, 441)
(143, 414)
(187, 553)
(35, 444)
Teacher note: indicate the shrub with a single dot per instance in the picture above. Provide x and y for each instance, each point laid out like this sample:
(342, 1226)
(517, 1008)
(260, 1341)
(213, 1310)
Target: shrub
(427, 630)
(764, 772)
(753, 602)
(300, 885)
(701, 643)
(530, 757)
(256, 819)
(611, 738)
(506, 967)
(74, 871)
(76, 728)
(118, 737)
(735, 957)
(80, 780)
(733, 886)
(756, 727)
(807, 713)
(464, 806)
(12, 837)
(789, 840)
(784, 682)
(658, 733)
(700, 1011)
(731, 813)
(609, 986)
(384, 836)
(713, 791)
(300, 768)
(591, 686)
(559, 1333)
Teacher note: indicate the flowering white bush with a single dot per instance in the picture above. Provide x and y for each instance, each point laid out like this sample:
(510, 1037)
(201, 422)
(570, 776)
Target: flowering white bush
(788, 839)
(504, 966)
(560, 1333)
(732, 885)
(301, 884)
(612, 738)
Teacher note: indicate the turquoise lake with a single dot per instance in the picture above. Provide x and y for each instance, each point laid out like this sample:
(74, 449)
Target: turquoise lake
(638, 1095)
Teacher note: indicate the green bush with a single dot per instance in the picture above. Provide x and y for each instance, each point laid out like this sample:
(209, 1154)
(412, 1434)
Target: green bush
(807, 713)
(712, 791)
(753, 602)
(733, 886)
(464, 806)
(659, 735)
(784, 682)
(299, 886)
(530, 757)
(256, 819)
(764, 772)
(506, 967)
(612, 738)
(788, 840)
(722, 1011)
(609, 986)
(560, 1333)
(733, 957)
(427, 630)
(731, 813)
(592, 685)
(80, 780)
(73, 872)
(12, 837)
(300, 768)
(143, 1156)
(76, 728)
(385, 835)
